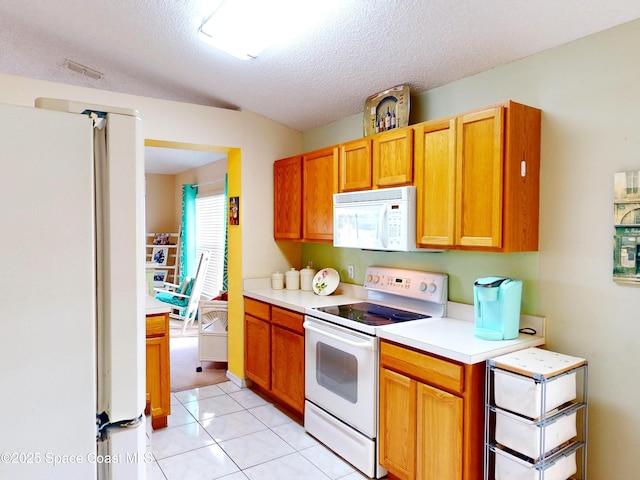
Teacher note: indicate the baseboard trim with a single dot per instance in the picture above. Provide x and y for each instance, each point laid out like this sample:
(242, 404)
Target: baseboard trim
(240, 382)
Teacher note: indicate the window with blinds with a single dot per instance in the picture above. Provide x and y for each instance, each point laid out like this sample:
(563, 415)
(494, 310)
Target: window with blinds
(210, 230)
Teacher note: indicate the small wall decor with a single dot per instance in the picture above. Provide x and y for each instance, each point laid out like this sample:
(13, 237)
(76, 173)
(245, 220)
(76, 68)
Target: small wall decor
(160, 255)
(159, 277)
(161, 239)
(387, 110)
(626, 239)
(234, 210)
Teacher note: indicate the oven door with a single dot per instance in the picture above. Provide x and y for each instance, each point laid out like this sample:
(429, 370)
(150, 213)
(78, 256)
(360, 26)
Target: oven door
(341, 371)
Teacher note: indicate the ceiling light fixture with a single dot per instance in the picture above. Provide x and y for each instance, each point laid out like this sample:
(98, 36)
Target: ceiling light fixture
(245, 28)
(89, 72)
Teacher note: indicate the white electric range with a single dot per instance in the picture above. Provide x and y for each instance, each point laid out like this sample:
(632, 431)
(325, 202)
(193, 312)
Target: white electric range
(342, 363)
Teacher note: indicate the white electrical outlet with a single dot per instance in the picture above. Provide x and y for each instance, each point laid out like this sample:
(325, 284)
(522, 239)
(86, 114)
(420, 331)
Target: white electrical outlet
(351, 272)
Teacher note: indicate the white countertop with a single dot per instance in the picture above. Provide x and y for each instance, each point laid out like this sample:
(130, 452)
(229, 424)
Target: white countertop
(451, 337)
(298, 300)
(154, 306)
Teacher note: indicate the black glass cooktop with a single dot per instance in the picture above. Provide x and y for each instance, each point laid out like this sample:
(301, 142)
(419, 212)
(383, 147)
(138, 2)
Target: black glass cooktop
(371, 313)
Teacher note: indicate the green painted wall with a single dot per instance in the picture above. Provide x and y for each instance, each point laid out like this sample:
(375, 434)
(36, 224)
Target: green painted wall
(463, 268)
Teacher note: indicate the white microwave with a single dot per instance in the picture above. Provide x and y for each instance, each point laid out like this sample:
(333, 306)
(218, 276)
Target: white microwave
(383, 219)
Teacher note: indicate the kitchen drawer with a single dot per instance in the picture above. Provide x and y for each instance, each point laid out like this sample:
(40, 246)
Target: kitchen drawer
(257, 309)
(156, 325)
(425, 368)
(523, 395)
(287, 319)
(525, 436)
(510, 467)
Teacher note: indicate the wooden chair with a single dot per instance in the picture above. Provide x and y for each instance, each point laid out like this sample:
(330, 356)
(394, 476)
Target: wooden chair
(184, 298)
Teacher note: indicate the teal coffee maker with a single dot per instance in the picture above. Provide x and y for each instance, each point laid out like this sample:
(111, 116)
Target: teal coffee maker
(496, 303)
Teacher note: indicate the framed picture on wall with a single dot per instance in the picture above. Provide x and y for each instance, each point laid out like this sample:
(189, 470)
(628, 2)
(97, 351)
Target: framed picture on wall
(387, 110)
(626, 223)
(159, 277)
(234, 210)
(160, 255)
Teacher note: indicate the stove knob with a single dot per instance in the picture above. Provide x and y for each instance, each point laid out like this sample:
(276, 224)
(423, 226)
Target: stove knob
(430, 288)
(376, 279)
(369, 278)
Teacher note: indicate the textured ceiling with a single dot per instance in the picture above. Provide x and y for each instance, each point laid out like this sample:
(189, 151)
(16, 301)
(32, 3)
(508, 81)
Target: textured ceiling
(150, 48)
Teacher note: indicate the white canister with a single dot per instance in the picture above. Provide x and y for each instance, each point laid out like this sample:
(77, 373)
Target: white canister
(306, 278)
(277, 281)
(292, 279)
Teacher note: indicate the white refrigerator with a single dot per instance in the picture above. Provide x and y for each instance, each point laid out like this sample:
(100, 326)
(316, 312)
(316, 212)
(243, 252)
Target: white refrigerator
(72, 352)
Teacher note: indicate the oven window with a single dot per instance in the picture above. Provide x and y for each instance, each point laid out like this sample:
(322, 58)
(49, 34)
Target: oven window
(337, 371)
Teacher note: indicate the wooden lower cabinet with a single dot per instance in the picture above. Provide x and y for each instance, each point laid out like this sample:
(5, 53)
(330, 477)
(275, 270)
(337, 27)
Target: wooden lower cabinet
(439, 433)
(158, 369)
(274, 352)
(257, 362)
(398, 408)
(431, 416)
(287, 374)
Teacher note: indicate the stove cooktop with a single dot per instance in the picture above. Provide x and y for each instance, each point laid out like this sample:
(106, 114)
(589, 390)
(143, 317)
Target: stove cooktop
(371, 313)
(393, 295)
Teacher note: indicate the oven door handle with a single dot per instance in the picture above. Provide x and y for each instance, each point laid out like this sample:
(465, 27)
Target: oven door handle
(365, 345)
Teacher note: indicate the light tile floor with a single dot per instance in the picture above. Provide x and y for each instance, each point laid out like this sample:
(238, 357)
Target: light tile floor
(223, 431)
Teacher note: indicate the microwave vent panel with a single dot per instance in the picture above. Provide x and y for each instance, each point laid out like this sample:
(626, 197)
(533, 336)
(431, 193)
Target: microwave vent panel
(382, 194)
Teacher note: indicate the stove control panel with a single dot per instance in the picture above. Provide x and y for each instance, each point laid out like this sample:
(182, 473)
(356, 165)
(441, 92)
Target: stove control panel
(425, 286)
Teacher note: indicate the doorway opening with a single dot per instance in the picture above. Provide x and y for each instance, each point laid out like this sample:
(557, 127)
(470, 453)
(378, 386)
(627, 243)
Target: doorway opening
(169, 165)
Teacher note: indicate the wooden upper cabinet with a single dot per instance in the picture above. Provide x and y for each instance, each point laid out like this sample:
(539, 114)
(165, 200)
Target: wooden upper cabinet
(498, 183)
(393, 158)
(287, 198)
(319, 183)
(521, 178)
(478, 177)
(435, 153)
(479, 184)
(303, 188)
(355, 165)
